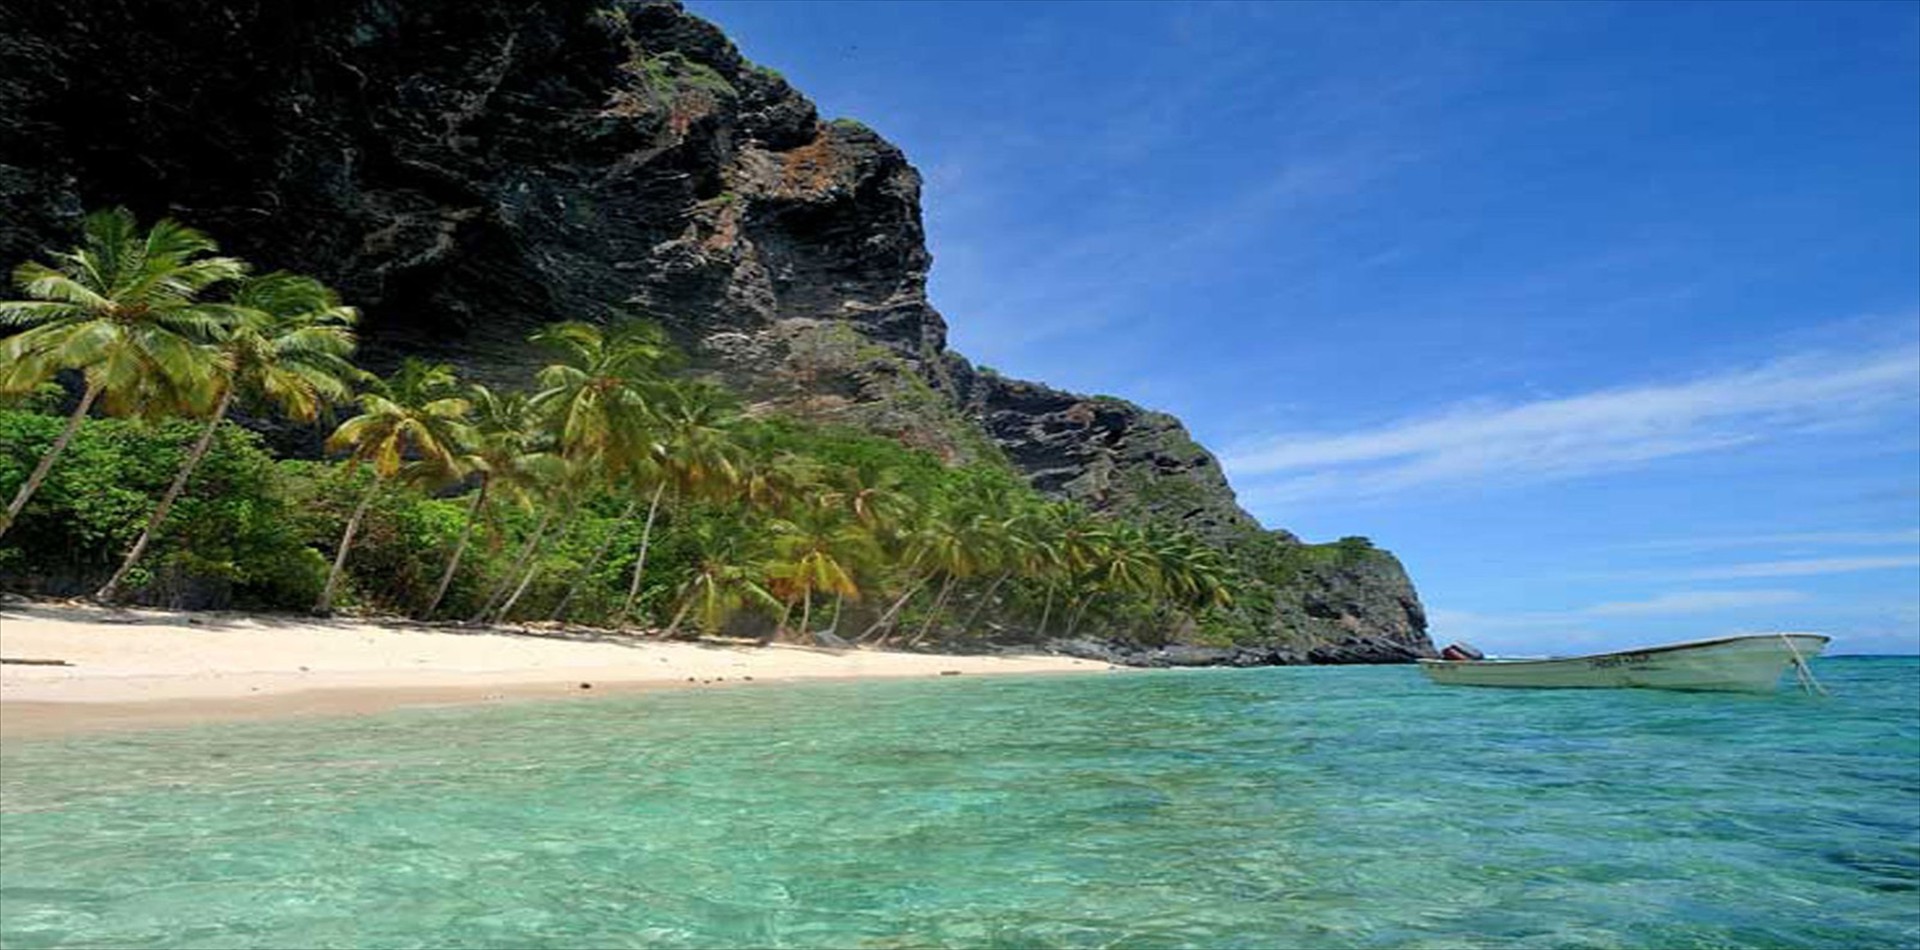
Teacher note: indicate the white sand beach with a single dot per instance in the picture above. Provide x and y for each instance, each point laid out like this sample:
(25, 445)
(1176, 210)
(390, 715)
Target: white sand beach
(145, 668)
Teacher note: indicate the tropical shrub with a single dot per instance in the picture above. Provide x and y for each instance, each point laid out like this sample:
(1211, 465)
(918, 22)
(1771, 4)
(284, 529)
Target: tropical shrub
(233, 542)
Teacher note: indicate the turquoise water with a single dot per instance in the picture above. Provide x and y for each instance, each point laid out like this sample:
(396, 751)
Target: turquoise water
(1209, 808)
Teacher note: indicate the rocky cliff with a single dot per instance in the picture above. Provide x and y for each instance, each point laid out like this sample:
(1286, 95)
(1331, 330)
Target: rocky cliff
(468, 169)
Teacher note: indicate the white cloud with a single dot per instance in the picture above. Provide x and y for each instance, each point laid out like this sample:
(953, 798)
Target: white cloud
(1668, 604)
(1599, 431)
(1804, 566)
(1694, 602)
(1585, 629)
(1908, 537)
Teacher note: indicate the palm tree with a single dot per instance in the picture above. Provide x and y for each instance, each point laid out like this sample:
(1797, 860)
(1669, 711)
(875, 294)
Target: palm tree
(873, 493)
(987, 505)
(948, 544)
(1039, 554)
(545, 479)
(599, 388)
(775, 479)
(929, 544)
(818, 550)
(1192, 574)
(596, 396)
(1122, 564)
(566, 482)
(876, 496)
(1012, 551)
(694, 453)
(628, 474)
(727, 577)
(125, 310)
(285, 344)
(1074, 538)
(414, 421)
(503, 455)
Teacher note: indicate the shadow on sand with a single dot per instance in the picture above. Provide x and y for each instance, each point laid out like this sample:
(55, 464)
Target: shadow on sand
(84, 612)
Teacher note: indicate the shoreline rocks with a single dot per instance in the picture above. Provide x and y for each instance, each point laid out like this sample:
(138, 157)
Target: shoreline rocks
(1353, 651)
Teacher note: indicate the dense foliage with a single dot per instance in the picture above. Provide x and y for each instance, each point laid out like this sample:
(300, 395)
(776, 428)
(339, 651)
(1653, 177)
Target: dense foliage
(612, 490)
(236, 537)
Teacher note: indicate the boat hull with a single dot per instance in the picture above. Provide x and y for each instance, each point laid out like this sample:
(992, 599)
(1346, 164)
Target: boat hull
(1751, 664)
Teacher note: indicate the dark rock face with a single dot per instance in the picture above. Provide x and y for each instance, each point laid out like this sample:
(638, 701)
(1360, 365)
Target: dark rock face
(466, 170)
(1365, 649)
(1105, 452)
(1360, 611)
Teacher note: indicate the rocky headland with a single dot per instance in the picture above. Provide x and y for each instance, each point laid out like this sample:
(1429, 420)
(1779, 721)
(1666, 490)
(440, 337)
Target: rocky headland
(466, 171)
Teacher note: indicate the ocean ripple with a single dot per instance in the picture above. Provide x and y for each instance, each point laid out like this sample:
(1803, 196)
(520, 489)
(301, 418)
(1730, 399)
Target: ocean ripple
(1297, 807)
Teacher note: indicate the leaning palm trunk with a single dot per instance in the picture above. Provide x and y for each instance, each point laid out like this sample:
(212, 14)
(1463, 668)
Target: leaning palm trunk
(599, 553)
(40, 471)
(679, 615)
(878, 625)
(459, 550)
(806, 616)
(325, 603)
(985, 599)
(640, 564)
(780, 626)
(1078, 612)
(519, 561)
(110, 592)
(533, 570)
(1046, 611)
(839, 600)
(933, 613)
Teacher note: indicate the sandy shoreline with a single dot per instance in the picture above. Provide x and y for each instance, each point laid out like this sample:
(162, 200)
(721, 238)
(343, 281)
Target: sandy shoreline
(144, 669)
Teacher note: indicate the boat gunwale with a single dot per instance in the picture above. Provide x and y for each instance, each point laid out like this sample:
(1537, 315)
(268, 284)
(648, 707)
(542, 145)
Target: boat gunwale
(1664, 648)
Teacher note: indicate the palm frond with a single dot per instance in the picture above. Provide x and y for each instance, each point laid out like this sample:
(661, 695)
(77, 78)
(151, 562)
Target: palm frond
(26, 313)
(45, 283)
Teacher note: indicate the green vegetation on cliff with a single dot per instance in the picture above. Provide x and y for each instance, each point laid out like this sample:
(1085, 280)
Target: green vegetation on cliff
(609, 490)
(486, 167)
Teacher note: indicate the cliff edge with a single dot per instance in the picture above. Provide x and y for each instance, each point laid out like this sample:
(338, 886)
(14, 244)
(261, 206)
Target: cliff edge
(466, 170)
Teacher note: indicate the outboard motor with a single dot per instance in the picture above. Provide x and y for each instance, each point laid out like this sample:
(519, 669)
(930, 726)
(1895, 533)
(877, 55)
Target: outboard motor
(1461, 651)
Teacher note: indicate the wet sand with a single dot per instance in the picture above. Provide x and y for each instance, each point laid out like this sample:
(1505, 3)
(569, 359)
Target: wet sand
(133, 669)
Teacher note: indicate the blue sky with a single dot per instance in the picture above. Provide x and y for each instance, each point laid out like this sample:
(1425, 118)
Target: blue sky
(1604, 317)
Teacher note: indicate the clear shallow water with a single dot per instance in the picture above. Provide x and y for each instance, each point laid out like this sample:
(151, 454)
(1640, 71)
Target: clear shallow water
(1276, 807)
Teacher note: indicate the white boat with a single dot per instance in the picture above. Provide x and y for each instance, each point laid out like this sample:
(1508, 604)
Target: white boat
(1736, 664)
